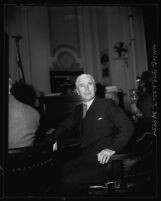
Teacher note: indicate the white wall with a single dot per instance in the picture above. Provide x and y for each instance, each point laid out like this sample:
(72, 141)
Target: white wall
(32, 24)
(39, 47)
(122, 28)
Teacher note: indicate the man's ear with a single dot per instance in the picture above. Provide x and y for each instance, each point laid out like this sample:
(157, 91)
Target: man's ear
(95, 88)
(77, 92)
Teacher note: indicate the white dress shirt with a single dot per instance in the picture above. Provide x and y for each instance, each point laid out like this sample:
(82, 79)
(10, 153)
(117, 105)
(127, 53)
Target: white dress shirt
(88, 103)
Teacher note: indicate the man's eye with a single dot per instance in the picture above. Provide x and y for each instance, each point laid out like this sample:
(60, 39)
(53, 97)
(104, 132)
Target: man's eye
(81, 85)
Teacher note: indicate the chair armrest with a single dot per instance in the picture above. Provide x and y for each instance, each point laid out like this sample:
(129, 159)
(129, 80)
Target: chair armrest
(124, 156)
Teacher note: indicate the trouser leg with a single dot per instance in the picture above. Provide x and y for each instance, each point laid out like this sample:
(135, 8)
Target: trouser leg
(79, 174)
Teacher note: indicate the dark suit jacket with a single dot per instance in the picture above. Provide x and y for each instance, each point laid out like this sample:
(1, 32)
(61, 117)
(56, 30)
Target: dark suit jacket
(105, 126)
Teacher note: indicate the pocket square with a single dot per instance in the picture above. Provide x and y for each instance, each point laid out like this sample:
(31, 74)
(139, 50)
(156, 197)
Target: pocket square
(99, 118)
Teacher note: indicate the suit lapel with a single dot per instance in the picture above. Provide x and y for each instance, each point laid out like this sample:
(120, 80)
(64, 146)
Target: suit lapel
(92, 108)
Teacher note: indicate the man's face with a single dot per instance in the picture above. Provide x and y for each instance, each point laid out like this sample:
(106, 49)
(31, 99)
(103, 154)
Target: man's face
(86, 89)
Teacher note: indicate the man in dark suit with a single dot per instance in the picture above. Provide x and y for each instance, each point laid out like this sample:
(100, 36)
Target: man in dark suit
(104, 130)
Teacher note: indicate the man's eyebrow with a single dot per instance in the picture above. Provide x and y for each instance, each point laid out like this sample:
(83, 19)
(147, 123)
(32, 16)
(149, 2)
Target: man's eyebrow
(82, 83)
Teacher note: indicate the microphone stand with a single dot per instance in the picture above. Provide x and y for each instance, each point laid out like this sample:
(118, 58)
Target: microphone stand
(19, 62)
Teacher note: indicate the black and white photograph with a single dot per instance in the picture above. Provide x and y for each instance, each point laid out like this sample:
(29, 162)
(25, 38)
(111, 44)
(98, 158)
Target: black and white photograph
(79, 101)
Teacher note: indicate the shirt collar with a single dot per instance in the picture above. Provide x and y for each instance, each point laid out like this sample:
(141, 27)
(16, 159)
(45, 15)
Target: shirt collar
(89, 103)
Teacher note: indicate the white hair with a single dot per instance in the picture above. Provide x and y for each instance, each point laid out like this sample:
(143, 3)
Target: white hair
(83, 76)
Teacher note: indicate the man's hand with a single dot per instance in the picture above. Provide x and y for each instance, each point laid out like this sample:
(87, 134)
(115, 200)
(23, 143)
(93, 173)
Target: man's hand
(55, 146)
(104, 155)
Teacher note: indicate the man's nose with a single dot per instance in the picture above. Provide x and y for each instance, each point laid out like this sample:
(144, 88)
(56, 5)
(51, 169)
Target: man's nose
(86, 88)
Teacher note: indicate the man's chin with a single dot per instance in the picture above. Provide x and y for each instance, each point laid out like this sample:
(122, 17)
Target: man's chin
(86, 99)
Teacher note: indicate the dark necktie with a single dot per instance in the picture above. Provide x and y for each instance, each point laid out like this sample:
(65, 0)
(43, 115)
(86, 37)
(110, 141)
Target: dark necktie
(84, 110)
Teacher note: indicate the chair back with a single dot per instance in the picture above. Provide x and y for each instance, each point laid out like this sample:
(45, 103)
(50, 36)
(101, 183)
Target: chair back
(28, 170)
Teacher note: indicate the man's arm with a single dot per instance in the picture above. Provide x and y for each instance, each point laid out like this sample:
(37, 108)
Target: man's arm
(124, 126)
(64, 126)
(124, 132)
